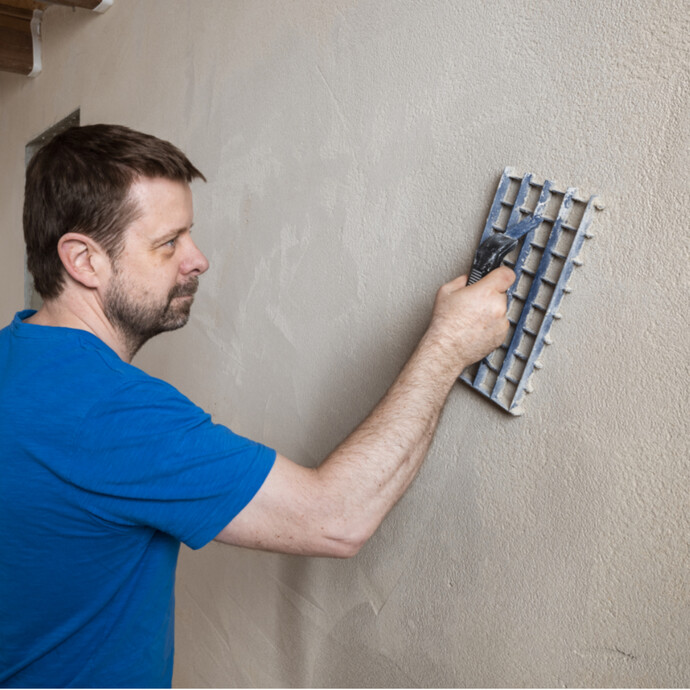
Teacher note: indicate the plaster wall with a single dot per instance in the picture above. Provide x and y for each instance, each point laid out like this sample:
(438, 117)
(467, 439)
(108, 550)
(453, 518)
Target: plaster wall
(352, 149)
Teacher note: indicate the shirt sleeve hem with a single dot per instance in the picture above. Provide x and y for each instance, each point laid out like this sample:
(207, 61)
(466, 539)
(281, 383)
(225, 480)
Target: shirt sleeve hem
(224, 516)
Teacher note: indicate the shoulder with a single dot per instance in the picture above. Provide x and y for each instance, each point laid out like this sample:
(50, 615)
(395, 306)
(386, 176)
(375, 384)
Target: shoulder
(71, 378)
(127, 398)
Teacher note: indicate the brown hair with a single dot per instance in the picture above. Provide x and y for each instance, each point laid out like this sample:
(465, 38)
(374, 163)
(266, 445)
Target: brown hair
(80, 182)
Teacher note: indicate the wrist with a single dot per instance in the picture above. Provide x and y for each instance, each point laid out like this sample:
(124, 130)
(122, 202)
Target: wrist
(443, 353)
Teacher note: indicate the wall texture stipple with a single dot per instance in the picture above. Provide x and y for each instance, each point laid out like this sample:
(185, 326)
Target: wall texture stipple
(352, 150)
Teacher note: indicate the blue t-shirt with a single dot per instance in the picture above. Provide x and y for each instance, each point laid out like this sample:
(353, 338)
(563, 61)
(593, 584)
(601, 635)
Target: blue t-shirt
(104, 471)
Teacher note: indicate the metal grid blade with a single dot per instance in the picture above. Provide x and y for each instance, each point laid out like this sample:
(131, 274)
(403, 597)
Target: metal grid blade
(543, 263)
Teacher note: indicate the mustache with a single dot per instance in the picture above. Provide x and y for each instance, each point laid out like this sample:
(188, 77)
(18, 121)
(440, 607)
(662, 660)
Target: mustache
(187, 289)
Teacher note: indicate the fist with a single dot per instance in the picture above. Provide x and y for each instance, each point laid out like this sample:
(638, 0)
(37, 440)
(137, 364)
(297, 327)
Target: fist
(469, 322)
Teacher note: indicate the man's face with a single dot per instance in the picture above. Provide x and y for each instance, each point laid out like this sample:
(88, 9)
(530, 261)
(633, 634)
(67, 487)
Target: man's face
(154, 279)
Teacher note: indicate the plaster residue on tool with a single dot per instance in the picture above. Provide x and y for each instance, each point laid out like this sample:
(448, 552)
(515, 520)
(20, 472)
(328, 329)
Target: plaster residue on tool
(538, 229)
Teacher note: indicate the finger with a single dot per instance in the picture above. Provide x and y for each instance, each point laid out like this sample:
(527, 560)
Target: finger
(500, 279)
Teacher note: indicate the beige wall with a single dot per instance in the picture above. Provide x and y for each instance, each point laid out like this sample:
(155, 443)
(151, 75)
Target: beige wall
(352, 149)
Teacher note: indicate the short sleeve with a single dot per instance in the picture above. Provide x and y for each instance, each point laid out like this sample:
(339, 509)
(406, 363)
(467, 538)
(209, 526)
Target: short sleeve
(147, 456)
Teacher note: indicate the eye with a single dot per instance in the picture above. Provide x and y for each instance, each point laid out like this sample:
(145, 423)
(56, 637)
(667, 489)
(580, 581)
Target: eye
(171, 243)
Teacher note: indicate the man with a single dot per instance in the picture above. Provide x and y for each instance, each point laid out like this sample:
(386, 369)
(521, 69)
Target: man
(106, 469)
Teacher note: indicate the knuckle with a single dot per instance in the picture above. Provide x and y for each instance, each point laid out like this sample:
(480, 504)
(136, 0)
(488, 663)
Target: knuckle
(445, 290)
(498, 309)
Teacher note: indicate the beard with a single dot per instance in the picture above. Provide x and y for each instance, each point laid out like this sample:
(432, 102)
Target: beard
(138, 321)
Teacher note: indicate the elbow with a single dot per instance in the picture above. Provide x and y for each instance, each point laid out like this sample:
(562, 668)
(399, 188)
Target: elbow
(343, 528)
(347, 543)
(346, 548)
(343, 549)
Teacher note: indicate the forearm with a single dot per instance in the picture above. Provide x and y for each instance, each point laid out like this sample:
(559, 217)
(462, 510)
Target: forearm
(333, 509)
(367, 474)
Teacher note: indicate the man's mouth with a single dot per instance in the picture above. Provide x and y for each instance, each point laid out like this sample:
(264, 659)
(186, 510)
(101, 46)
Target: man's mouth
(186, 290)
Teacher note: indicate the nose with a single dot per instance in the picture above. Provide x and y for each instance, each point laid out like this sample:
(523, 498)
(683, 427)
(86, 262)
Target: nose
(194, 262)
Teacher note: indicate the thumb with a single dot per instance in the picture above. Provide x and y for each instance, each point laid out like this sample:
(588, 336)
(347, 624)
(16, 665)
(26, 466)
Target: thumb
(457, 283)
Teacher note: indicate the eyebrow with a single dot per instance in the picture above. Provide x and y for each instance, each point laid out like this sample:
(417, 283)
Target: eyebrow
(171, 235)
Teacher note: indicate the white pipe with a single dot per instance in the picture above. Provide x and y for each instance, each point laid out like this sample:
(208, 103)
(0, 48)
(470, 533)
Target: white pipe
(36, 42)
(103, 6)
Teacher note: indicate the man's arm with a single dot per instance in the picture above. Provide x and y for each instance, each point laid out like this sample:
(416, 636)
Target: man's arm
(333, 509)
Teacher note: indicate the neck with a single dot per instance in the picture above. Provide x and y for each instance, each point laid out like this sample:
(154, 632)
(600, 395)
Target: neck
(68, 311)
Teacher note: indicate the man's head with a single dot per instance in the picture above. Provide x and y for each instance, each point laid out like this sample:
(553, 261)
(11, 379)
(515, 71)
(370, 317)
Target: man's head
(82, 182)
(150, 287)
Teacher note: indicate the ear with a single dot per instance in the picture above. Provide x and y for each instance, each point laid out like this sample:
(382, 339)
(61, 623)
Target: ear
(83, 259)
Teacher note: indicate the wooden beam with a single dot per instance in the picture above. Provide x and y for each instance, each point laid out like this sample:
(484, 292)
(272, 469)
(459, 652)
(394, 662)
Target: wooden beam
(43, 4)
(17, 38)
(20, 31)
(6, 6)
(96, 5)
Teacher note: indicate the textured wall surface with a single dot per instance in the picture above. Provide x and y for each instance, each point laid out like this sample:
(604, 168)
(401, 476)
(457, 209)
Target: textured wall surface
(352, 149)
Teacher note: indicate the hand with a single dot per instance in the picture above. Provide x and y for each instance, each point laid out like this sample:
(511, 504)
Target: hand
(470, 322)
